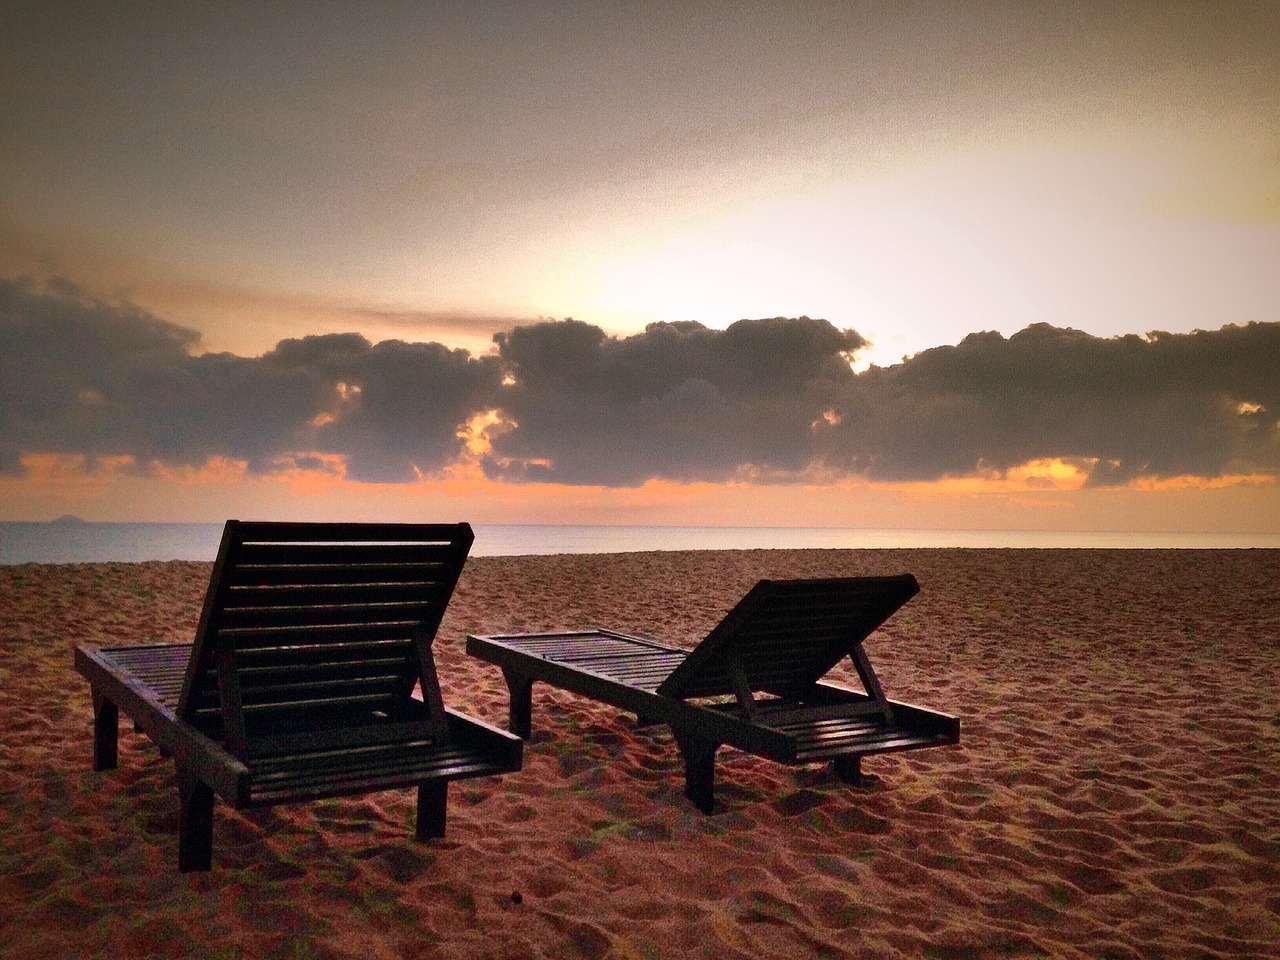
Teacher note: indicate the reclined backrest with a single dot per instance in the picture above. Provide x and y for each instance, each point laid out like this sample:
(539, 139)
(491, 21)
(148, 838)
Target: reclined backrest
(309, 629)
(786, 634)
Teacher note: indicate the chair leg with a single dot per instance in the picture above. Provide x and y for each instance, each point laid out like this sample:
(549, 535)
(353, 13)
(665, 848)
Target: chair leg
(849, 769)
(520, 691)
(195, 823)
(106, 731)
(699, 769)
(433, 807)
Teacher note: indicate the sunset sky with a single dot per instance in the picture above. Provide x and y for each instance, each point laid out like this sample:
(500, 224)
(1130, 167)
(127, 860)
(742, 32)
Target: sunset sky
(1001, 265)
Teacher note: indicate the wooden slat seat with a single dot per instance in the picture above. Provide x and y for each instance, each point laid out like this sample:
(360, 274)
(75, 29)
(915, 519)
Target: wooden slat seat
(755, 682)
(311, 675)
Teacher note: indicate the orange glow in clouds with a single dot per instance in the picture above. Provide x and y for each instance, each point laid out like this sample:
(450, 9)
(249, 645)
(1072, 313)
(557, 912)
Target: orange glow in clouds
(1045, 474)
(1048, 494)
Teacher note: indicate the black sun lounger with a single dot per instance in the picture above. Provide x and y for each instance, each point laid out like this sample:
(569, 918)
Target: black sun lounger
(754, 682)
(311, 675)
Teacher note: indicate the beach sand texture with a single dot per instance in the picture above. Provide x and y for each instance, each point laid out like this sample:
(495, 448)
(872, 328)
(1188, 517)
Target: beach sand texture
(1116, 791)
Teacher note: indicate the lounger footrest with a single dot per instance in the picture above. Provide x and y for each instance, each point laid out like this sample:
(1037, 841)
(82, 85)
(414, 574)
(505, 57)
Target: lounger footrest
(826, 741)
(857, 726)
(311, 776)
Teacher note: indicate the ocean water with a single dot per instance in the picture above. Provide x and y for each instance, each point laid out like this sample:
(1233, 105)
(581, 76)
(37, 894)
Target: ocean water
(76, 541)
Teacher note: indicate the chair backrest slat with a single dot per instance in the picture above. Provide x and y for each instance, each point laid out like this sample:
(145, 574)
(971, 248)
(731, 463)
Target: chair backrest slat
(327, 574)
(298, 617)
(337, 555)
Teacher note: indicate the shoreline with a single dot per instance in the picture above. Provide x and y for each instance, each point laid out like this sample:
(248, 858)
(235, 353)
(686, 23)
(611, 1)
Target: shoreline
(1115, 790)
(63, 541)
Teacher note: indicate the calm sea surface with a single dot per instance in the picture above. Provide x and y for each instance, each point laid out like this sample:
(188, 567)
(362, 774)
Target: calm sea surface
(63, 541)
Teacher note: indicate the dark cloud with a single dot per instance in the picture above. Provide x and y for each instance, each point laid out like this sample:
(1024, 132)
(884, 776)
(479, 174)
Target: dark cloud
(68, 365)
(391, 407)
(771, 399)
(679, 400)
(1204, 404)
(776, 396)
(81, 375)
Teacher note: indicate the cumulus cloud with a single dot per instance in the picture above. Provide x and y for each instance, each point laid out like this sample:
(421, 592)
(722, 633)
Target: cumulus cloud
(393, 409)
(679, 400)
(776, 398)
(82, 375)
(1202, 404)
(767, 399)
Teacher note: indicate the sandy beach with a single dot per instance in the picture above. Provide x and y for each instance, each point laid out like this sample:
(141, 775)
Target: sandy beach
(1116, 791)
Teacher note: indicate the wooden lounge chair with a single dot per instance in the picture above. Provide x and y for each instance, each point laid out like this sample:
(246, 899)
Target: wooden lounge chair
(753, 683)
(304, 680)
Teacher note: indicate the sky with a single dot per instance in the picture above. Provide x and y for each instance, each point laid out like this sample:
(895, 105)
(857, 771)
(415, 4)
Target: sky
(931, 265)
